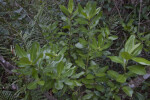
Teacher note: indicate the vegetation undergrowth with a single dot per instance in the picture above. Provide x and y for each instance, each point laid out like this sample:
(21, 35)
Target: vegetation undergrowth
(73, 58)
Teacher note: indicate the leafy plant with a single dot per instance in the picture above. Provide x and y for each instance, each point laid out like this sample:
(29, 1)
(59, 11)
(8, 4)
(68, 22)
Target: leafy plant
(68, 57)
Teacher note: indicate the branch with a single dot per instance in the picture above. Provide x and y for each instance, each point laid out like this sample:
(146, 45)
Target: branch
(6, 65)
(140, 79)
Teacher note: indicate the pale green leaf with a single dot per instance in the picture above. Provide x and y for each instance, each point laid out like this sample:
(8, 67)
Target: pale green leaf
(126, 55)
(34, 51)
(90, 76)
(79, 45)
(141, 61)
(116, 97)
(78, 75)
(121, 78)
(24, 61)
(128, 90)
(137, 69)
(64, 10)
(113, 37)
(32, 85)
(87, 96)
(20, 52)
(113, 74)
(116, 59)
(129, 44)
(59, 85)
(70, 6)
(41, 82)
(60, 67)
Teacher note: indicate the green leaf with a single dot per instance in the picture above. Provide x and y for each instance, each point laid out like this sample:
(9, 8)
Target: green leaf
(41, 82)
(93, 10)
(117, 97)
(87, 96)
(100, 74)
(20, 52)
(32, 85)
(137, 51)
(90, 76)
(34, 50)
(40, 56)
(77, 83)
(69, 82)
(64, 10)
(141, 61)
(81, 12)
(135, 47)
(140, 96)
(128, 90)
(106, 45)
(100, 40)
(24, 61)
(59, 85)
(103, 69)
(66, 27)
(113, 74)
(70, 6)
(79, 45)
(107, 31)
(69, 72)
(126, 55)
(137, 69)
(95, 21)
(78, 75)
(60, 68)
(80, 63)
(113, 37)
(116, 59)
(129, 44)
(86, 81)
(83, 41)
(121, 78)
(74, 14)
(99, 88)
(35, 73)
(82, 21)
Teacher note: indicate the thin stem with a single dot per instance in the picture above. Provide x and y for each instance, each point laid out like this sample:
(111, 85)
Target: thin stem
(140, 15)
(87, 60)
